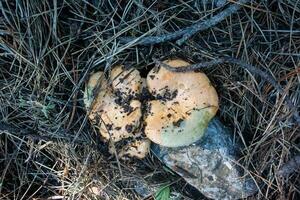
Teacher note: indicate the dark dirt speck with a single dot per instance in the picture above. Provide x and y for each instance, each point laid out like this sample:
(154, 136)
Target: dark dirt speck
(152, 76)
(168, 95)
(129, 128)
(109, 127)
(178, 122)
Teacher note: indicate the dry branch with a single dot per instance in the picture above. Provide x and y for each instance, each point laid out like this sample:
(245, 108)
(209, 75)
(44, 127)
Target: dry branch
(183, 34)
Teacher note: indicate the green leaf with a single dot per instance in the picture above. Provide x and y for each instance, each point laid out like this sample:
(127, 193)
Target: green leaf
(163, 193)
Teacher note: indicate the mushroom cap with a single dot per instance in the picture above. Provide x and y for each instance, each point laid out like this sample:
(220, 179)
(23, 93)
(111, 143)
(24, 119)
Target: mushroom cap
(116, 121)
(126, 83)
(186, 102)
(115, 117)
(94, 79)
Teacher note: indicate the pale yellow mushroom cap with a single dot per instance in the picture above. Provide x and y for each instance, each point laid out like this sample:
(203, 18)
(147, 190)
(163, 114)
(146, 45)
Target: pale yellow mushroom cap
(116, 118)
(94, 80)
(126, 83)
(186, 102)
(115, 121)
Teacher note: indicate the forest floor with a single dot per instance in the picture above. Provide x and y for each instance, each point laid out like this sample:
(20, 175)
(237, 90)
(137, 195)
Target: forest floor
(48, 148)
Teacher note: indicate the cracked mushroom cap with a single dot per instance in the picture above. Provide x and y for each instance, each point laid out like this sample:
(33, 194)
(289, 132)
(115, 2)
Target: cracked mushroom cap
(126, 83)
(117, 118)
(185, 103)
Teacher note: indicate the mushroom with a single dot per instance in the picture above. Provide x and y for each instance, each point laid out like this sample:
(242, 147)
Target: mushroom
(94, 79)
(117, 121)
(127, 84)
(115, 109)
(185, 103)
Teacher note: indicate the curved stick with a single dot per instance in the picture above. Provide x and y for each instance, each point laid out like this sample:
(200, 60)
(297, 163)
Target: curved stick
(183, 34)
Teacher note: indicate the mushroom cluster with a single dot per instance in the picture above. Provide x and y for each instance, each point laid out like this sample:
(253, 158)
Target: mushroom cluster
(181, 106)
(116, 111)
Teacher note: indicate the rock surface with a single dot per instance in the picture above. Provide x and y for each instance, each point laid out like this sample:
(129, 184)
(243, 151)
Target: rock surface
(210, 164)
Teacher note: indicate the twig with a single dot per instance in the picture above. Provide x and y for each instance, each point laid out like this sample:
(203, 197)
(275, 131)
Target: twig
(187, 32)
(289, 167)
(192, 67)
(211, 22)
(242, 64)
(75, 76)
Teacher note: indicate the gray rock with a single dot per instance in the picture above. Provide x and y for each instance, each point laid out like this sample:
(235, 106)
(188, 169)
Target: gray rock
(210, 164)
